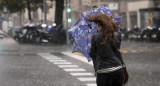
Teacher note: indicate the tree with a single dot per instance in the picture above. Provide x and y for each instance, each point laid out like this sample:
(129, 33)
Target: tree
(20, 5)
(12, 5)
(59, 12)
(60, 33)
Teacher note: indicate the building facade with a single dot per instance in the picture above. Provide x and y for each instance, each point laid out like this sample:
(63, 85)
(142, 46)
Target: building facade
(134, 12)
(139, 13)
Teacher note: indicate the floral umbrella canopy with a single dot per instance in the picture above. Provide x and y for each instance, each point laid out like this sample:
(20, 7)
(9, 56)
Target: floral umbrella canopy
(83, 30)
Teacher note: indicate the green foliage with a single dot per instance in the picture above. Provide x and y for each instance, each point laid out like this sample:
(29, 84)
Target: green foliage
(20, 5)
(12, 5)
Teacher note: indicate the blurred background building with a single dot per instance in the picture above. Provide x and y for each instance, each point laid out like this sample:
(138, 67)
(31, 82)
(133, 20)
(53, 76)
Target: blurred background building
(141, 13)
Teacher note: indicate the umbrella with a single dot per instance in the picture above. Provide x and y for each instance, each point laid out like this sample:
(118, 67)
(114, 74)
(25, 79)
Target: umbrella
(82, 34)
(83, 30)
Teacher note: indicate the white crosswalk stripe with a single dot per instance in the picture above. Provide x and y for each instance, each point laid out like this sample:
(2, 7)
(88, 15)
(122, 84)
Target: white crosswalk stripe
(53, 58)
(77, 69)
(94, 84)
(57, 60)
(61, 63)
(49, 57)
(87, 79)
(81, 74)
(67, 66)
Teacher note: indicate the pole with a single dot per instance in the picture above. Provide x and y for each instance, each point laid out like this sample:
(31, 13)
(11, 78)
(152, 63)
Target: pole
(118, 2)
(98, 3)
(128, 18)
(67, 35)
(44, 10)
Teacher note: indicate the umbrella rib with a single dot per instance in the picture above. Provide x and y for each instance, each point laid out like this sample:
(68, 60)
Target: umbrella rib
(85, 18)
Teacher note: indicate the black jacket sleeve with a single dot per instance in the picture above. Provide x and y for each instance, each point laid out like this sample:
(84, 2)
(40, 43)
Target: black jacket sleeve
(118, 36)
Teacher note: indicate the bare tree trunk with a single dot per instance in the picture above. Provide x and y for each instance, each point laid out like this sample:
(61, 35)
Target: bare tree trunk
(59, 12)
(60, 33)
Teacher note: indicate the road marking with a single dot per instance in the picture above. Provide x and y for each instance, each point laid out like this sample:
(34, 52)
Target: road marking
(133, 51)
(67, 66)
(78, 57)
(81, 74)
(79, 69)
(87, 79)
(72, 69)
(53, 58)
(43, 54)
(57, 60)
(124, 52)
(94, 84)
(57, 63)
(49, 56)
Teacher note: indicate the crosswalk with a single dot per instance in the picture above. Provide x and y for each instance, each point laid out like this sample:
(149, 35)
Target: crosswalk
(74, 70)
(69, 67)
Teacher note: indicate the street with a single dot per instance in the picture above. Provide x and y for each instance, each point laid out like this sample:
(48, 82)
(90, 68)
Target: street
(56, 65)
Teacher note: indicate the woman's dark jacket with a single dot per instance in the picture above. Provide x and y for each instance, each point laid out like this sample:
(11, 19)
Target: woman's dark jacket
(104, 55)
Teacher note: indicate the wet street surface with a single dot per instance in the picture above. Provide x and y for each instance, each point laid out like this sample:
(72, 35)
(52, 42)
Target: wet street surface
(55, 65)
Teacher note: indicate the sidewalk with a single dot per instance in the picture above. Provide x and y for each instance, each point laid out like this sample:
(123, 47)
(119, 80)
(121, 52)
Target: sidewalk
(10, 45)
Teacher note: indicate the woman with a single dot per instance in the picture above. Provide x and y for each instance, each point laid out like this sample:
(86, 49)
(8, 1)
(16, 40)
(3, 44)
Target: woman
(104, 46)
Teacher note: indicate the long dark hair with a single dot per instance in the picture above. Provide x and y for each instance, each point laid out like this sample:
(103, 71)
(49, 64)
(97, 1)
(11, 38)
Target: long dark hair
(107, 24)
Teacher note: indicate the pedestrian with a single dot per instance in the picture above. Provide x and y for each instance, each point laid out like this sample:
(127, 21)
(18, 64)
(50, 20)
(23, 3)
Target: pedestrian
(105, 45)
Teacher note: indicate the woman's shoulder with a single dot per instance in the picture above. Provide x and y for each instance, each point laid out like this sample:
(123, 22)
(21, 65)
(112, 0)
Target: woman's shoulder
(98, 35)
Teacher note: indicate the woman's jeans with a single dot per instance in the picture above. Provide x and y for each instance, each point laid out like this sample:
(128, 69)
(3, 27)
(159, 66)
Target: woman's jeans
(110, 79)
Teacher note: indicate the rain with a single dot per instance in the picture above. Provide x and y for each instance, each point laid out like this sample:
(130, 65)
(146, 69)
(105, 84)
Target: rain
(47, 42)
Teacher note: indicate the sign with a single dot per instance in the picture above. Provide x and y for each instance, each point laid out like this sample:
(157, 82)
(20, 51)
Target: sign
(113, 6)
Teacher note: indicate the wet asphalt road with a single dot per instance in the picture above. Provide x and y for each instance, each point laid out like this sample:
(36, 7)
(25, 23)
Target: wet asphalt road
(39, 65)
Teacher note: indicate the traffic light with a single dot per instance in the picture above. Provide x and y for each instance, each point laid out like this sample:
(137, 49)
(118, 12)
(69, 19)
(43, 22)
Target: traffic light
(69, 15)
(69, 10)
(69, 20)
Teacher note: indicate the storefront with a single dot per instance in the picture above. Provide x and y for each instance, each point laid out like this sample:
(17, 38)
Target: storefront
(150, 17)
